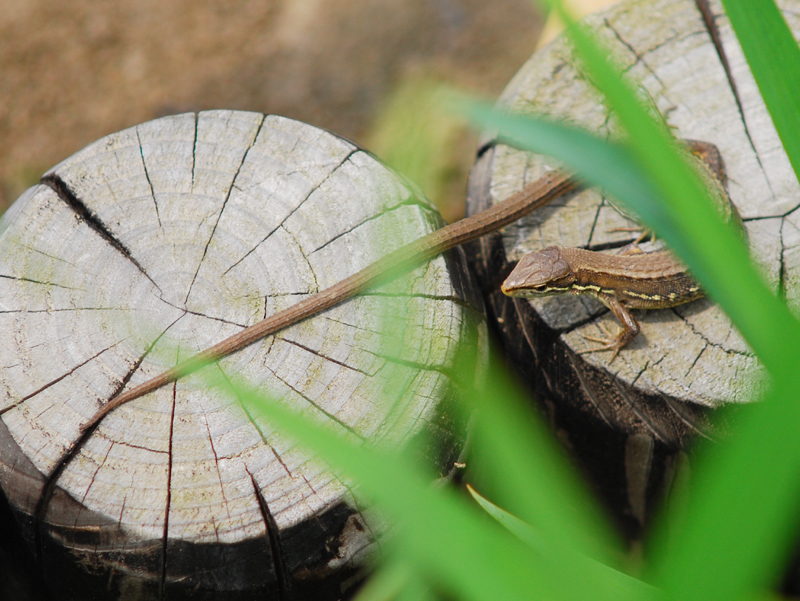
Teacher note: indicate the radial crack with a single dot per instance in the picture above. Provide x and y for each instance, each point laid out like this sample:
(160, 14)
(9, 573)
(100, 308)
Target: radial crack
(402, 204)
(194, 148)
(22, 279)
(325, 357)
(224, 202)
(676, 408)
(90, 218)
(589, 393)
(147, 176)
(216, 464)
(633, 405)
(709, 19)
(273, 535)
(292, 212)
(330, 416)
(57, 380)
(165, 535)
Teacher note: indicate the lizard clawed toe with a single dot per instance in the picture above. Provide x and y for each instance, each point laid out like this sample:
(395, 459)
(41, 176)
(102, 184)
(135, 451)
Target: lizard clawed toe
(609, 343)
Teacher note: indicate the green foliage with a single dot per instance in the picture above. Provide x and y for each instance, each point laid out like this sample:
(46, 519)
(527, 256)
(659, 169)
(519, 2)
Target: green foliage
(733, 537)
(774, 60)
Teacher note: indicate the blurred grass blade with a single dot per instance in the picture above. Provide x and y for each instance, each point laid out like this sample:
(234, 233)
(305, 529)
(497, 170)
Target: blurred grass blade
(774, 59)
(741, 521)
(446, 538)
(529, 475)
(528, 534)
(598, 162)
(523, 531)
(388, 582)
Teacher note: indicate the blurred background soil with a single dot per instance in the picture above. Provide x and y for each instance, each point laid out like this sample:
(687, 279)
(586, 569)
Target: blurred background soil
(72, 72)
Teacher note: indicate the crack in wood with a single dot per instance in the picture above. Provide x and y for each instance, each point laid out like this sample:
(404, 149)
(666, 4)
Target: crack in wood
(32, 281)
(633, 405)
(44, 254)
(147, 177)
(227, 196)
(194, 149)
(679, 410)
(330, 416)
(706, 341)
(273, 536)
(56, 380)
(165, 535)
(220, 319)
(100, 465)
(709, 20)
(252, 420)
(295, 209)
(325, 357)
(416, 203)
(64, 310)
(696, 359)
(587, 390)
(90, 218)
(216, 462)
(602, 204)
(84, 433)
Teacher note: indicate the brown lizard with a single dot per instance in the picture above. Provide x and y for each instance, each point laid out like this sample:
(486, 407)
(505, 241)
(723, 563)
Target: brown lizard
(633, 280)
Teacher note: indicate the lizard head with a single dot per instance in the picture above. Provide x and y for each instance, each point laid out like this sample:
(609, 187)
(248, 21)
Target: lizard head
(542, 273)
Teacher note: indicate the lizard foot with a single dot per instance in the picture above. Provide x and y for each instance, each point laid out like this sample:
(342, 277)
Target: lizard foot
(608, 343)
(643, 233)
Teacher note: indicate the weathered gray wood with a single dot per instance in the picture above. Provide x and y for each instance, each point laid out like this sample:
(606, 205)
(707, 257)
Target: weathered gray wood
(686, 359)
(157, 242)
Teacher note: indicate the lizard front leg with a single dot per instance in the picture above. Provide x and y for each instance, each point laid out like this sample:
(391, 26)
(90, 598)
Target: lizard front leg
(628, 331)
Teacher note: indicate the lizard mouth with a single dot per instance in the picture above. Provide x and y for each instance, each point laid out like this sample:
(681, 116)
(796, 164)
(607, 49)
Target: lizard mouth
(531, 291)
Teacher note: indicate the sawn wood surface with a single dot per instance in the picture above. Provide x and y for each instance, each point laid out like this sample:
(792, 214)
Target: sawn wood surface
(155, 243)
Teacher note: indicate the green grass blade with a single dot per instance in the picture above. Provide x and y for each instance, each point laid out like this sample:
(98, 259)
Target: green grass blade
(528, 534)
(759, 468)
(388, 582)
(774, 59)
(528, 473)
(522, 530)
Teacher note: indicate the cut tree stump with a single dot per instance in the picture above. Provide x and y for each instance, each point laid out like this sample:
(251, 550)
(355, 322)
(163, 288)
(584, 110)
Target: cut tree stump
(628, 419)
(155, 243)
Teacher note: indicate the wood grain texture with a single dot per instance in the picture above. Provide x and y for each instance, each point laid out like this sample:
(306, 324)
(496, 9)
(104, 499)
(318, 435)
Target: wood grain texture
(157, 242)
(688, 359)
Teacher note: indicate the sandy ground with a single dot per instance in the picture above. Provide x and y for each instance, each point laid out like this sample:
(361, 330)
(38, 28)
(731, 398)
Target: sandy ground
(71, 72)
